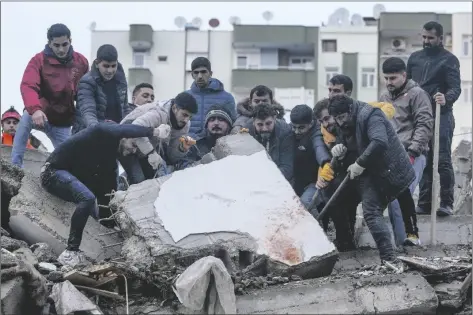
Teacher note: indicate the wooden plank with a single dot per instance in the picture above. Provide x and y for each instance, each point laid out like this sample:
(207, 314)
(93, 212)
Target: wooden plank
(103, 293)
(105, 280)
(80, 278)
(435, 179)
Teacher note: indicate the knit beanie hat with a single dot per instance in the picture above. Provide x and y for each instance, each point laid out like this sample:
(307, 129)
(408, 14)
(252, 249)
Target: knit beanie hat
(218, 110)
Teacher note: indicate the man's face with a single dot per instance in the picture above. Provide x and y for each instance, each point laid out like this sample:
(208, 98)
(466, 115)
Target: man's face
(394, 81)
(143, 96)
(327, 121)
(258, 100)
(218, 126)
(107, 69)
(127, 147)
(344, 121)
(430, 39)
(182, 116)
(301, 129)
(9, 125)
(201, 76)
(60, 46)
(336, 89)
(264, 127)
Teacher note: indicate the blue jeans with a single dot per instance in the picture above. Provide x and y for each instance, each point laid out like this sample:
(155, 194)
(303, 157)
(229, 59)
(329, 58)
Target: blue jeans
(307, 195)
(66, 186)
(57, 135)
(394, 210)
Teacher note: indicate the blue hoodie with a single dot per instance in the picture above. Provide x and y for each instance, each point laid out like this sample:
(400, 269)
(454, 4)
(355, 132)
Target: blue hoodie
(214, 93)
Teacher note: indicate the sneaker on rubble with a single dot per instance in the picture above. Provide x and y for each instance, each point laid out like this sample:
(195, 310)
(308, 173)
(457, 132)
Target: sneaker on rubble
(444, 211)
(412, 240)
(395, 265)
(71, 258)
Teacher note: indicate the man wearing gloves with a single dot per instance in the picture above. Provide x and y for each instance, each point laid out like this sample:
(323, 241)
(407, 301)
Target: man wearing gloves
(172, 117)
(83, 170)
(382, 170)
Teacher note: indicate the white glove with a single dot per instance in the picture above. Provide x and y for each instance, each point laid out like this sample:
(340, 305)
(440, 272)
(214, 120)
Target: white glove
(339, 151)
(154, 160)
(355, 170)
(162, 132)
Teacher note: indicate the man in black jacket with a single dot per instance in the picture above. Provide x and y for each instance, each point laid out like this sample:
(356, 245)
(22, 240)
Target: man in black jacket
(103, 92)
(83, 170)
(437, 71)
(382, 170)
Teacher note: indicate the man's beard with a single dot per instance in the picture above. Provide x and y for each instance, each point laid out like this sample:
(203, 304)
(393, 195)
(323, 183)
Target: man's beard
(265, 136)
(217, 132)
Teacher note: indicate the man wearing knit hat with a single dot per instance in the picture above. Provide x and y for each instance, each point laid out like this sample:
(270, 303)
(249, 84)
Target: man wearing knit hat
(103, 92)
(207, 92)
(218, 123)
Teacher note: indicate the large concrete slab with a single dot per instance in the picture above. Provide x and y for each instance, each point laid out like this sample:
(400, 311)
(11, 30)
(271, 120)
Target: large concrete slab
(407, 293)
(33, 159)
(452, 230)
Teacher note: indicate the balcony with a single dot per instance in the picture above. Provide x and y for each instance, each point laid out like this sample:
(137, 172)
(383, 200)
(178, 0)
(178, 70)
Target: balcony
(281, 76)
(409, 24)
(304, 67)
(139, 75)
(247, 35)
(141, 37)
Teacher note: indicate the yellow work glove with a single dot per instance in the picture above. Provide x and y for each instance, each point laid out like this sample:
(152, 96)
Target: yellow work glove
(243, 130)
(326, 173)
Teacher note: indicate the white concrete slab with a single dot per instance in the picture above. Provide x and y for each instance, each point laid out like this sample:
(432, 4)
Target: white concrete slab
(246, 194)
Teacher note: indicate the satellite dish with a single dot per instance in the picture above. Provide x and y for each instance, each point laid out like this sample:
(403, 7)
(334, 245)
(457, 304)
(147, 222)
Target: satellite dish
(214, 23)
(268, 16)
(196, 22)
(357, 20)
(377, 9)
(93, 26)
(235, 20)
(180, 21)
(343, 16)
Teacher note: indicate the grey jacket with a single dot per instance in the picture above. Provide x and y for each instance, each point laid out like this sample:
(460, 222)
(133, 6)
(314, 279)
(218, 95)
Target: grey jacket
(153, 115)
(413, 120)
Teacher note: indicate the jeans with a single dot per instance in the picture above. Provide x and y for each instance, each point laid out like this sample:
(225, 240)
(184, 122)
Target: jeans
(137, 169)
(66, 186)
(57, 135)
(445, 169)
(307, 195)
(395, 214)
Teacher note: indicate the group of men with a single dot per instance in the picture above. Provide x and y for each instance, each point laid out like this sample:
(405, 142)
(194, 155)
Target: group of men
(374, 153)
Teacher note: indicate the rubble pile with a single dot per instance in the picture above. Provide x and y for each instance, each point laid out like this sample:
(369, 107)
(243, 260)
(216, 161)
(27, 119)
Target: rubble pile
(462, 166)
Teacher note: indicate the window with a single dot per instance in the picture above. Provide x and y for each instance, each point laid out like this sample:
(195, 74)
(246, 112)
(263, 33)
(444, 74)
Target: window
(466, 48)
(329, 45)
(138, 59)
(466, 91)
(162, 58)
(330, 72)
(367, 77)
(242, 62)
(301, 62)
(191, 56)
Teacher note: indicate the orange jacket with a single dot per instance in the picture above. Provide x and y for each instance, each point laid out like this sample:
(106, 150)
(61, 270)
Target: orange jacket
(7, 139)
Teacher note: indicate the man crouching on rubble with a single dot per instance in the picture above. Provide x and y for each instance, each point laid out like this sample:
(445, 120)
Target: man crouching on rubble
(218, 122)
(276, 137)
(83, 170)
(382, 170)
(172, 117)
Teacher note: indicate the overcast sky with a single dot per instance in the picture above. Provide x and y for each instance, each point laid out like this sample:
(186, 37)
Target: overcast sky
(24, 24)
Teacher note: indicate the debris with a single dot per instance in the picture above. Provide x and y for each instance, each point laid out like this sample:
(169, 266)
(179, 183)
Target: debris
(67, 299)
(80, 278)
(26, 255)
(43, 252)
(12, 244)
(46, 267)
(104, 293)
(55, 276)
(449, 294)
(436, 265)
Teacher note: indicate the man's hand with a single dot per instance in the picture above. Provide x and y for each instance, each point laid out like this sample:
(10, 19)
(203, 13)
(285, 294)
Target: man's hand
(326, 173)
(355, 170)
(440, 99)
(339, 151)
(162, 132)
(321, 184)
(185, 143)
(39, 118)
(243, 130)
(155, 160)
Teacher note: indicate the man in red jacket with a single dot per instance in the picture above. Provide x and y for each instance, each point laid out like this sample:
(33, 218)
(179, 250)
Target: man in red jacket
(48, 88)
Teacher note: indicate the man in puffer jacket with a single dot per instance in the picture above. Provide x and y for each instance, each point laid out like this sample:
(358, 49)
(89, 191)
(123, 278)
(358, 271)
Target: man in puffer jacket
(207, 91)
(258, 95)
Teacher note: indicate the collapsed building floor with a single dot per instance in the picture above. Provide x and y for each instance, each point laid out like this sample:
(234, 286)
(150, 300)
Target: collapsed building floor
(134, 269)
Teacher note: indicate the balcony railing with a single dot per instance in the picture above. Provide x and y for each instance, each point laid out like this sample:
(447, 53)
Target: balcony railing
(306, 67)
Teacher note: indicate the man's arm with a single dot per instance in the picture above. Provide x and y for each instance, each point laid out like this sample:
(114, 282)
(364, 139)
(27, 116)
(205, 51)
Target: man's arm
(153, 118)
(286, 156)
(453, 81)
(322, 155)
(86, 100)
(423, 122)
(30, 85)
(125, 131)
(378, 137)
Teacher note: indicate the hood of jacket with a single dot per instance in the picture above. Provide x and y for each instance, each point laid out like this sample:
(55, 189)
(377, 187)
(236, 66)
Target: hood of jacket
(49, 52)
(244, 108)
(214, 86)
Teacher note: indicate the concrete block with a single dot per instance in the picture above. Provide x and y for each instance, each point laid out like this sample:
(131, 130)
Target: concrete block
(407, 293)
(26, 255)
(452, 230)
(13, 297)
(33, 159)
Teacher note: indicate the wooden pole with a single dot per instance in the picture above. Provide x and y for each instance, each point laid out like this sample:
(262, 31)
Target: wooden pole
(435, 178)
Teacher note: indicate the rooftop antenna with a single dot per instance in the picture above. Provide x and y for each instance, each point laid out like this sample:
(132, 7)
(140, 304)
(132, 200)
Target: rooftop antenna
(377, 9)
(234, 20)
(268, 16)
(357, 20)
(180, 22)
(196, 22)
(93, 26)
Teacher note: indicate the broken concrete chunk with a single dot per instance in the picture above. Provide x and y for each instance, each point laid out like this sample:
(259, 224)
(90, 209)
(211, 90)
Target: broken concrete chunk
(449, 294)
(55, 276)
(13, 297)
(12, 244)
(43, 252)
(67, 299)
(47, 267)
(26, 255)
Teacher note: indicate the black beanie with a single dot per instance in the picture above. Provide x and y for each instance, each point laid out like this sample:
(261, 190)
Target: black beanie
(301, 115)
(200, 62)
(107, 52)
(186, 101)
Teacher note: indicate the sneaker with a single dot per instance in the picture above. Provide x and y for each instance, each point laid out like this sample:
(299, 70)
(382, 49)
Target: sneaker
(444, 211)
(396, 265)
(422, 211)
(71, 258)
(412, 240)
(122, 183)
